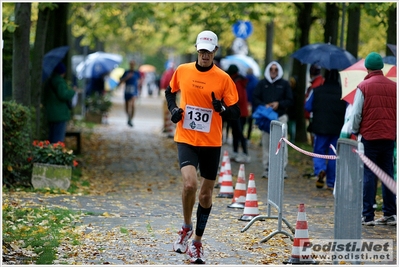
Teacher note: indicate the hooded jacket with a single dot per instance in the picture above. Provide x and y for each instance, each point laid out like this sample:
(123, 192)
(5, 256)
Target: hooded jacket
(269, 90)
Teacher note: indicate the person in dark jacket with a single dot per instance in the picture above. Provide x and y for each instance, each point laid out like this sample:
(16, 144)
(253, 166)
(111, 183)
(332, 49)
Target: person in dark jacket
(56, 98)
(328, 118)
(237, 126)
(252, 82)
(275, 92)
(374, 118)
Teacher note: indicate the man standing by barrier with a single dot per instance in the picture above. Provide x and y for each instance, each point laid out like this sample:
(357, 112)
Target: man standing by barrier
(374, 118)
(208, 94)
(275, 92)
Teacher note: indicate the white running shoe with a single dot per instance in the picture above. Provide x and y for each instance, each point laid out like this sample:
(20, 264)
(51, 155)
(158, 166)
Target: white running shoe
(196, 253)
(181, 244)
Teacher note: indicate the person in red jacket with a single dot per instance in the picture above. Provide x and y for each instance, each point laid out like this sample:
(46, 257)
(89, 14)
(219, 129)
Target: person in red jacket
(237, 126)
(316, 80)
(164, 83)
(374, 118)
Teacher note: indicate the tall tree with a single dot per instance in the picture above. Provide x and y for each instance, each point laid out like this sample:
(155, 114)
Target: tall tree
(353, 28)
(269, 42)
(304, 21)
(37, 60)
(57, 34)
(392, 28)
(20, 63)
(331, 25)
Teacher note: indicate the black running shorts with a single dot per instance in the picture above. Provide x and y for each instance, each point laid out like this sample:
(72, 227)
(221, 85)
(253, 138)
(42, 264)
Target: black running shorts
(205, 158)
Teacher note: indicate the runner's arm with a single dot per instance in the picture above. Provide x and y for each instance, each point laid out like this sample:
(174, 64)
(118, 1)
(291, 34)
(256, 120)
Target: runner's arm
(170, 98)
(232, 112)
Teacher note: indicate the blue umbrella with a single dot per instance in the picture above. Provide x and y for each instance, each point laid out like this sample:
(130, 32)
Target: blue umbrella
(97, 64)
(327, 56)
(263, 116)
(51, 60)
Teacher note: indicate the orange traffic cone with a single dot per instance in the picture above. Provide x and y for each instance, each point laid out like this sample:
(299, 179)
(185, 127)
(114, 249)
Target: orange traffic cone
(251, 202)
(221, 170)
(301, 254)
(240, 190)
(226, 188)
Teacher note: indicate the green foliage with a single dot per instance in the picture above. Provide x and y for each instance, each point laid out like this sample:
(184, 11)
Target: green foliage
(98, 103)
(16, 144)
(8, 22)
(39, 230)
(44, 152)
(147, 28)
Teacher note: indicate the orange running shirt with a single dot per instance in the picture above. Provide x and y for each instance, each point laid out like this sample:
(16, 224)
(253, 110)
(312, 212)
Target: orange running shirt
(201, 125)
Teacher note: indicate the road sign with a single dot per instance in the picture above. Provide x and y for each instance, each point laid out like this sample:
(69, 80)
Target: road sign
(242, 29)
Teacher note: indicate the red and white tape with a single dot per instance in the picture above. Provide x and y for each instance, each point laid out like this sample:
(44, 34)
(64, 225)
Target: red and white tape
(304, 151)
(389, 182)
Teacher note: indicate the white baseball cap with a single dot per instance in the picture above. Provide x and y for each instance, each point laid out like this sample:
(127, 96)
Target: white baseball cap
(206, 40)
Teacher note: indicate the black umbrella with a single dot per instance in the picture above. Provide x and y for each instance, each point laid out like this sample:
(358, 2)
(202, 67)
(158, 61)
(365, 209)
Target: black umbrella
(51, 60)
(327, 56)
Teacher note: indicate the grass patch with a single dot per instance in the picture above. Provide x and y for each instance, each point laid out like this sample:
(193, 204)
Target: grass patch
(33, 234)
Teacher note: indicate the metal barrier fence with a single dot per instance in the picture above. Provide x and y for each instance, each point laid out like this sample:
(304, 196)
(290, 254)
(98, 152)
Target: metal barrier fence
(348, 191)
(275, 190)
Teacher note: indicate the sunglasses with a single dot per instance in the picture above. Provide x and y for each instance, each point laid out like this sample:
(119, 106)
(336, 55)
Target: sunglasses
(273, 69)
(205, 52)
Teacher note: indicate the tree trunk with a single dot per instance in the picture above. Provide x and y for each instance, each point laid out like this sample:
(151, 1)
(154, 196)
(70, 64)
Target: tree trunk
(7, 64)
(353, 29)
(331, 26)
(20, 63)
(304, 21)
(37, 61)
(269, 42)
(56, 35)
(57, 31)
(391, 31)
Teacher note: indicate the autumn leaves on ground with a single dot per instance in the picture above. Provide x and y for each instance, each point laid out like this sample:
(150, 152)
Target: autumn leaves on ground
(126, 207)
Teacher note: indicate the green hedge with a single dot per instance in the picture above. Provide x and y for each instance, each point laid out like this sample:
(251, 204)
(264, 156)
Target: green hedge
(16, 144)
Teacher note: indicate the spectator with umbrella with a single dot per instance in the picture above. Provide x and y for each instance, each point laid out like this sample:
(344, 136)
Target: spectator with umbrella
(316, 79)
(57, 98)
(374, 117)
(328, 114)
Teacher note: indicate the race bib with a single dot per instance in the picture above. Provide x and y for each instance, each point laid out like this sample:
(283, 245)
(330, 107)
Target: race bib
(197, 119)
